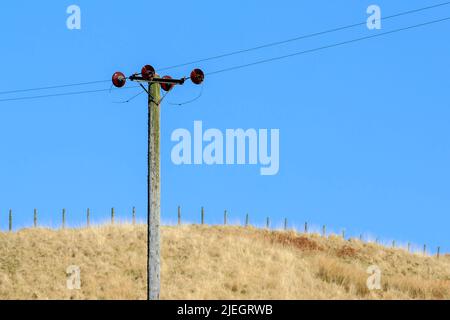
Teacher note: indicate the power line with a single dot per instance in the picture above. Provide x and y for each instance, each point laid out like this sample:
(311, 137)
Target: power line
(61, 94)
(254, 63)
(272, 44)
(311, 35)
(327, 47)
(54, 87)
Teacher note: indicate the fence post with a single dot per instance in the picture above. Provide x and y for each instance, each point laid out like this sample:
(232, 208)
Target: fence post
(88, 217)
(324, 231)
(393, 243)
(343, 234)
(409, 247)
(63, 218)
(360, 237)
(267, 223)
(306, 227)
(438, 252)
(424, 249)
(10, 220)
(225, 217)
(35, 218)
(246, 220)
(285, 224)
(179, 215)
(134, 216)
(203, 215)
(112, 215)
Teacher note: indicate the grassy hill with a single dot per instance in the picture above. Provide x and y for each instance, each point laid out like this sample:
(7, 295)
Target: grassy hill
(204, 262)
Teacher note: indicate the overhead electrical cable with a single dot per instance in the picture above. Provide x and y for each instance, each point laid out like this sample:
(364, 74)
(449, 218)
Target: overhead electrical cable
(61, 94)
(378, 35)
(311, 35)
(232, 53)
(55, 87)
(327, 46)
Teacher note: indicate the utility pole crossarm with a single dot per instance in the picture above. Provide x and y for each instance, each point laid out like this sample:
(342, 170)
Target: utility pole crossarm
(157, 80)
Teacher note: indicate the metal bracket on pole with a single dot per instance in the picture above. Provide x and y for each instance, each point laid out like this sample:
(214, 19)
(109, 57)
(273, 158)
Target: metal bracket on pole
(157, 80)
(145, 89)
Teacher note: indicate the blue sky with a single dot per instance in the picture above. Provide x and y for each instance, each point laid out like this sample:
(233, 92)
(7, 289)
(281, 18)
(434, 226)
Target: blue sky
(364, 128)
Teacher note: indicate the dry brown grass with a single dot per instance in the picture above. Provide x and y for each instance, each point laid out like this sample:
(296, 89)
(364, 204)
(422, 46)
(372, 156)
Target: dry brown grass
(201, 262)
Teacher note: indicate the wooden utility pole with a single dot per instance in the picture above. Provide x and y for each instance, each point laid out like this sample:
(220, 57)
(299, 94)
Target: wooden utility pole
(154, 192)
(148, 75)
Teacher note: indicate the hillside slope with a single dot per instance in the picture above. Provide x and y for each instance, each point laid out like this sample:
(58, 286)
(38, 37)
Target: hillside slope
(204, 262)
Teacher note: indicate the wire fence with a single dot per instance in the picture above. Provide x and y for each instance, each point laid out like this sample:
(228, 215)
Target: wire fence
(306, 228)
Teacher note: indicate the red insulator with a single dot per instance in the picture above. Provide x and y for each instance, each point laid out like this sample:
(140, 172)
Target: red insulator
(197, 76)
(167, 86)
(148, 72)
(119, 79)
